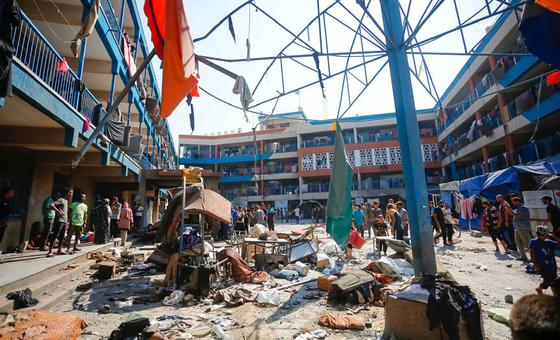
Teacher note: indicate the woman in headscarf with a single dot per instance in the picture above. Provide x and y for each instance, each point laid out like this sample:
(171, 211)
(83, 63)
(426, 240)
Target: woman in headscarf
(125, 222)
(101, 220)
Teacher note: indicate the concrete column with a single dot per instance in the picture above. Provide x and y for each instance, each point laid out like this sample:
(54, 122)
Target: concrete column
(41, 188)
(504, 113)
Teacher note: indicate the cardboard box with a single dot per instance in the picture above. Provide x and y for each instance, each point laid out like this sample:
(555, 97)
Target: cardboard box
(107, 270)
(416, 324)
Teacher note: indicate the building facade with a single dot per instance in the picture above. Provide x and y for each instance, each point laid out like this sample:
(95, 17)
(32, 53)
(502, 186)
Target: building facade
(288, 160)
(60, 93)
(498, 112)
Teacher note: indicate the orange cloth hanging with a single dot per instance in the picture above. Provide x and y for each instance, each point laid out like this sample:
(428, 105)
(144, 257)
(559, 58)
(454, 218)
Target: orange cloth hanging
(551, 5)
(179, 73)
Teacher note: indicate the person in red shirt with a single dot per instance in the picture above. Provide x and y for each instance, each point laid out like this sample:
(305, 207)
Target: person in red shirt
(505, 220)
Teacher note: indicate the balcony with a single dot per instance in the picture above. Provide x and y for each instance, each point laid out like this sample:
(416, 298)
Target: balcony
(34, 51)
(37, 56)
(504, 64)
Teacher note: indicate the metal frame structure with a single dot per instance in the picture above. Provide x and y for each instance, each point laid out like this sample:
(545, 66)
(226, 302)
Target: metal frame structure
(394, 40)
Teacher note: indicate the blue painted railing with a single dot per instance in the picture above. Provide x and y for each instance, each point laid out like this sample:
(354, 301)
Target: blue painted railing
(41, 58)
(109, 12)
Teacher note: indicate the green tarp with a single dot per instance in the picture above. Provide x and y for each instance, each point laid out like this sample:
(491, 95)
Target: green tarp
(339, 205)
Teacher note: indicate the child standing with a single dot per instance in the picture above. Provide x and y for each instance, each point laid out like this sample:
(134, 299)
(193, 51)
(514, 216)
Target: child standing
(543, 257)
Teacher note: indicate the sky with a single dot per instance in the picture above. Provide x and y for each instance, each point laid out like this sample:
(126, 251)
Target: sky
(268, 39)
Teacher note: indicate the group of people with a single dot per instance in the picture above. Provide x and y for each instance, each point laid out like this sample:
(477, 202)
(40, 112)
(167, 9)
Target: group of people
(394, 221)
(64, 218)
(243, 218)
(509, 225)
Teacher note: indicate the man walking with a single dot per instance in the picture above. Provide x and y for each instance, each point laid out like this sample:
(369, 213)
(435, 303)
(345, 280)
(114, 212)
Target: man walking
(261, 215)
(116, 207)
(48, 218)
(494, 230)
(60, 206)
(552, 216)
(395, 219)
(505, 216)
(296, 214)
(542, 254)
(271, 217)
(79, 210)
(522, 225)
(442, 225)
(404, 215)
(359, 219)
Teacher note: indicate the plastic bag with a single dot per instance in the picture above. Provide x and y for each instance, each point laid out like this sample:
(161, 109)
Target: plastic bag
(330, 248)
(257, 230)
(173, 298)
(269, 297)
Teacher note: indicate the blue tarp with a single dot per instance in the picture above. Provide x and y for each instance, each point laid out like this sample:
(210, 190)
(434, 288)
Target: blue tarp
(507, 180)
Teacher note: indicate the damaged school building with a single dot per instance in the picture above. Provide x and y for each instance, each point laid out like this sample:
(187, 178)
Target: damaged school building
(60, 91)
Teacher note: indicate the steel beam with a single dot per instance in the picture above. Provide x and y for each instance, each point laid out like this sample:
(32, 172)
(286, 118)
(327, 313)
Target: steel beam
(409, 138)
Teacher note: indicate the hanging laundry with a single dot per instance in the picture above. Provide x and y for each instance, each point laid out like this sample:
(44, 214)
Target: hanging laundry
(231, 29)
(316, 58)
(242, 89)
(88, 24)
(191, 117)
(9, 19)
(248, 45)
(553, 78)
(552, 5)
(126, 49)
(62, 66)
(86, 126)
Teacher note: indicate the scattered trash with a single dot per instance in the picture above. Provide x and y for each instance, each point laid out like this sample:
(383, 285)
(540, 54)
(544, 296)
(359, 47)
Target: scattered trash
(317, 334)
(268, 297)
(22, 298)
(201, 331)
(173, 298)
(508, 288)
(188, 298)
(301, 268)
(218, 332)
(476, 233)
(481, 266)
(131, 327)
(337, 321)
(124, 304)
(105, 309)
(509, 265)
(509, 299)
(500, 315)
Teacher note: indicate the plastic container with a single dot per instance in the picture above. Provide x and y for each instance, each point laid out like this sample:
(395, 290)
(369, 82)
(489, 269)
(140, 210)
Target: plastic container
(301, 268)
(324, 282)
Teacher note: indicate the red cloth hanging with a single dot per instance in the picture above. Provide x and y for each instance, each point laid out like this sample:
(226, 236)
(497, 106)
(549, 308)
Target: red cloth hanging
(553, 78)
(86, 126)
(62, 66)
(356, 240)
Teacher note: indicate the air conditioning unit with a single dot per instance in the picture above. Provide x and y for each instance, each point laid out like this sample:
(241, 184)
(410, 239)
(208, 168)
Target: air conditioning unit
(212, 133)
(219, 133)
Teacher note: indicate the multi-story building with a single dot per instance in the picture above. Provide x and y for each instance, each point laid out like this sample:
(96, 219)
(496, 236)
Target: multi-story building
(287, 160)
(58, 96)
(498, 111)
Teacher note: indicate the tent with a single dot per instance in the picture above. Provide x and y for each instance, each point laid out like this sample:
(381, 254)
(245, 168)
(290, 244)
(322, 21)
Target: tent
(503, 181)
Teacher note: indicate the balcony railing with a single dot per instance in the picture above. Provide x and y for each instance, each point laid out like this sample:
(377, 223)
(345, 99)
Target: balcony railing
(39, 56)
(109, 12)
(487, 81)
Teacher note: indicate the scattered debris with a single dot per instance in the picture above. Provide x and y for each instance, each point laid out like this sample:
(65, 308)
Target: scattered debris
(508, 299)
(22, 298)
(337, 321)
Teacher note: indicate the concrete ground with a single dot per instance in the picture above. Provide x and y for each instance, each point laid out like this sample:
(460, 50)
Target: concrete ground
(302, 304)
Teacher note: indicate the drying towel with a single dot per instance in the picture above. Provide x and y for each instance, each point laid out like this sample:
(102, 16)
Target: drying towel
(242, 89)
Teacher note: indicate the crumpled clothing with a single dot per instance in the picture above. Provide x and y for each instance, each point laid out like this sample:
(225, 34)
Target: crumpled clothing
(241, 272)
(22, 298)
(62, 66)
(241, 88)
(88, 25)
(336, 321)
(235, 296)
(448, 304)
